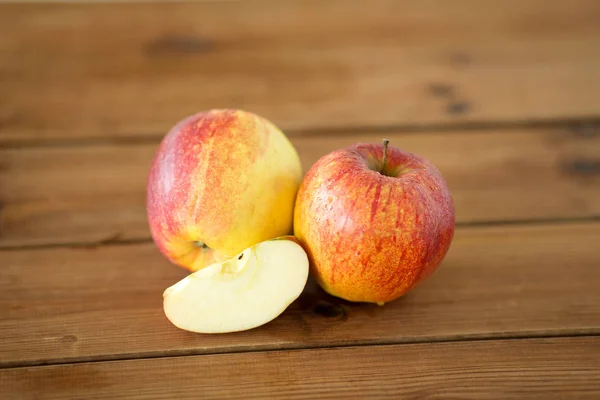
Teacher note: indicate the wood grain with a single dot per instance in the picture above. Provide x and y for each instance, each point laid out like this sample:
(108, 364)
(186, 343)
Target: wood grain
(128, 70)
(98, 303)
(93, 194)
(499, 369)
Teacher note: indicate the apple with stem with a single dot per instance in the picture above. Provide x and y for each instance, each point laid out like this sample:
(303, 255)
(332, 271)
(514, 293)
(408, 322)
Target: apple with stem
(242, 293)
(220, 182)
(375, 221)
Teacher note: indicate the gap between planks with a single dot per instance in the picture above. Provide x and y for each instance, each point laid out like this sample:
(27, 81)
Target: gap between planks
(476, 338)
(472, 224)
(577, 126)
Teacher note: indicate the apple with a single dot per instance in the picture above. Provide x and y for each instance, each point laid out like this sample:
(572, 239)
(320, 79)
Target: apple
(374, 220)
(242, 293)
(220, 182)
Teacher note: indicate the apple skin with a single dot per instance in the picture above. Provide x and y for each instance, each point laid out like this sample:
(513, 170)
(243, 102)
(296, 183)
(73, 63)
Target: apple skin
(372, 237)
(221, 181)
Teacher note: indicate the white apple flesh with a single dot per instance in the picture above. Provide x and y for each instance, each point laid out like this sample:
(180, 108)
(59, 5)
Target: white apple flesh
(241, 293)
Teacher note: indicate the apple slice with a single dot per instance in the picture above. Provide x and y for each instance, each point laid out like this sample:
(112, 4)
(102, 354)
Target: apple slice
(241, 293)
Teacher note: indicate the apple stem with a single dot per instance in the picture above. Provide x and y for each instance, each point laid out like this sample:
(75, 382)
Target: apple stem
(386, 142)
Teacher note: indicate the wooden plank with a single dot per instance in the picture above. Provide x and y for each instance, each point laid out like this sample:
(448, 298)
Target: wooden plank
(72, 194)
(62, 305)
(120, 69)
(502, 369)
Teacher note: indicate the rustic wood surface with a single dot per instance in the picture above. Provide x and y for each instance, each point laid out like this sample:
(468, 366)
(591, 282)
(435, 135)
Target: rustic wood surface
(97, 303)
(497, 369)
(494, 175)
(129, 70)
(501, 96)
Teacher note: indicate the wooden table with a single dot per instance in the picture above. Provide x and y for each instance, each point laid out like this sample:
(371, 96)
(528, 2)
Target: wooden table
(501, 96)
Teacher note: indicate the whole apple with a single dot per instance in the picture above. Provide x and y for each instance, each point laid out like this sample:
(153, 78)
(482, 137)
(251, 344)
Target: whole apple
(374, 220)
(221, 181)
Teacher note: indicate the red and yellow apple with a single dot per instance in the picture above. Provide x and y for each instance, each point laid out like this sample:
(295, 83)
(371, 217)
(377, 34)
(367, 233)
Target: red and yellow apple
(220, 182)
(375, 221)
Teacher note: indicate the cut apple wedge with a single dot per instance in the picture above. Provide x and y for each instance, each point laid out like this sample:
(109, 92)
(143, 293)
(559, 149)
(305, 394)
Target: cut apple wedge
(242, 293)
